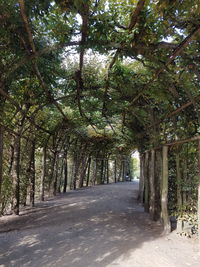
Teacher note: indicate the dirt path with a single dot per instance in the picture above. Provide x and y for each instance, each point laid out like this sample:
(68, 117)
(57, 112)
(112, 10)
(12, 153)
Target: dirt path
(94, 227)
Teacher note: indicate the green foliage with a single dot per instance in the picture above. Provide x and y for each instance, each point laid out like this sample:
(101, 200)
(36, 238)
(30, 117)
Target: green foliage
(120, 98)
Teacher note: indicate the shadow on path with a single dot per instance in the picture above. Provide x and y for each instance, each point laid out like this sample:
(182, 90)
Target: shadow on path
(83, 228)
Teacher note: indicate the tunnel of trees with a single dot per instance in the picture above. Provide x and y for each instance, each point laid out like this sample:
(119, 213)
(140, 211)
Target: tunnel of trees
(84, 83)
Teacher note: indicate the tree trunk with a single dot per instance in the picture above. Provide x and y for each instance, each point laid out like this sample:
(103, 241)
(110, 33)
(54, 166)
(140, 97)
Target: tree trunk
(102, 172)
(52, 171)
(146, 182)
(95, 172)
(76, 169)
(178, 180)
(11, 158)
(198, 205)
(130, 168)
(16, 176)
(32, 174)
(65, 173)
(42, 182)
(152, 185)
(164, 191)
(185, 178)
(158, 179)
(1, 159)
(88, 173)
(141, 183)
(56, 175)
(60, 176)
(83, 170)
(115, 171)
(107, 171)
(120, 171)
(123, 171)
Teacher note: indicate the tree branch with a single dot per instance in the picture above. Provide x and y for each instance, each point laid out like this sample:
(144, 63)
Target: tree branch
(135, 14)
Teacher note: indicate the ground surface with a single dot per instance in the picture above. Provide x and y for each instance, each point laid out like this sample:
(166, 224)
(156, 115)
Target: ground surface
(94, 227)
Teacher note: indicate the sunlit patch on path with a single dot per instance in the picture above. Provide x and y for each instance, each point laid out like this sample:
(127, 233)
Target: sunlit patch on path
(101, 226)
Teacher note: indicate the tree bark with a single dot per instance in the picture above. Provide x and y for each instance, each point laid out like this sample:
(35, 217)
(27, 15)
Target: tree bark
(56, 175)
(32, 174)
(11, 158)
(60, 177)
(115, 171)
(16, 176)
(1, 159)
(185, 177)
(65, 173)
(198, 204)
(123, 171)
(146, 182)
(152, 185)
(178, 180)
(42, 182)
(76, 168)
(83, 170)
(88, 173)
(141, 182)
(52, 170)
(95, 171)
(102, 172)
(158, 179)
(120, 171)
(164, 191)
(107, 171)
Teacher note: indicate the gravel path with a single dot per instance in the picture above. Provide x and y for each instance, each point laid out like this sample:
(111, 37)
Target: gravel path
(93, 227)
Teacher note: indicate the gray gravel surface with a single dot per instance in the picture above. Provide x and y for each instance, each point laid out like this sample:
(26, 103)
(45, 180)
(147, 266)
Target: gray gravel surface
(98, 226)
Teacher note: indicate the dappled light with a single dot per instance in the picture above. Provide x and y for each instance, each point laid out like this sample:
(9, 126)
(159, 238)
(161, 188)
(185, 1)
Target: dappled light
(107, 232)
(99, 133)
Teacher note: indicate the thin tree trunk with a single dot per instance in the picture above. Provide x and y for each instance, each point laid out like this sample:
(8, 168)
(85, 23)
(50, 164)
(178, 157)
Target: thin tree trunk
(198, 206)
(152, 185)
(72, 170)
(2, 102)
(16, 167)
(83, 171)
(120, 171)
(115, 171)
(146, 182)
(11, 158)
(60, 176)
(141, 183)
(56, 175)
(178, 180)
(65, 172)
(123, 171)
(102, 172)
(88, 173)
(16, 176)
(158, 179)
(42, 182)
(185, 178)
(1, 159)
(164, 191)
(76, 169)
(130, 170)
(52, 170)
(95, 172)
(32, 174)
(107, 171)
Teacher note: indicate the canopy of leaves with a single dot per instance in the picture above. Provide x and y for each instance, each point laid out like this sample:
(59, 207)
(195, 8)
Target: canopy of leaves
(125, 74)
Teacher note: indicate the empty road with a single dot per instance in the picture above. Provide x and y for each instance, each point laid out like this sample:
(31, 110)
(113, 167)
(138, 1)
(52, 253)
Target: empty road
(93, 227)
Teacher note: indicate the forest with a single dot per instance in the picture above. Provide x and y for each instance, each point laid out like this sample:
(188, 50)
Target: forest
(84, 84)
